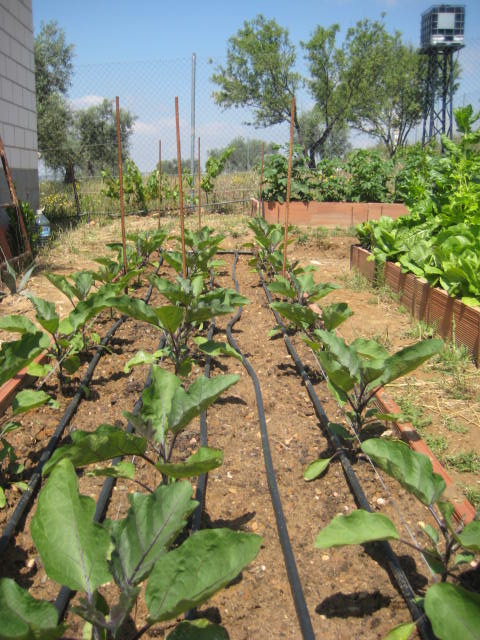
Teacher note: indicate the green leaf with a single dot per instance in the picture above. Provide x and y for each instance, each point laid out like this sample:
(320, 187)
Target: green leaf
(300, 315)
(408, 359)
(18, 324)
(316, 468)
(207, 561)
(401, 631)
(214, 349)
(22, 617)
(340, 431)
(105, 443)
(17, 354)
(334, 314)
(28, 399)
(62, 284)
(463, 558)
(469, 538)
(142, 357)
(203, 461)
(412, 469)
(453, 612)
(356, 528)
(151, 525)
(430, 532)
(71, 364)
(200, 629)
(45, 313)
(73, 548)
(123, 469)
(39, 370)
(166, 404)
(169, 317)
(3, 499)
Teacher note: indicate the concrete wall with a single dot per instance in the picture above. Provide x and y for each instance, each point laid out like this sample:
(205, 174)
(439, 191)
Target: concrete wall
(18, 114)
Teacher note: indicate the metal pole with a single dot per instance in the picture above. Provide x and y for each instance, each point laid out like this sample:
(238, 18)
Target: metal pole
(180, 190)
(120, 178)
(289, 179)
(159, 180)
(192, 126)
(199, 190)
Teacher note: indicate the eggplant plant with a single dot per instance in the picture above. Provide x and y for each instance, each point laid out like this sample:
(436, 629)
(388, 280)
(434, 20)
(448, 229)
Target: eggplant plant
(452, 609)
(355, 372)
(142, 548)
(201, 247)
(190, 306)
(268, 246)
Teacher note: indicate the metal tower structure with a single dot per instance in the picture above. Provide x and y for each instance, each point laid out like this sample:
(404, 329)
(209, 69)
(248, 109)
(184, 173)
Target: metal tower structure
(442, 31)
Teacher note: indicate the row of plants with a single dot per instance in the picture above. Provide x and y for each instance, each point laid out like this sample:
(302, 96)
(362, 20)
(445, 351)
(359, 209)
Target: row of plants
(140, 192)
(148, 548)
(440, 239)
(354, 373)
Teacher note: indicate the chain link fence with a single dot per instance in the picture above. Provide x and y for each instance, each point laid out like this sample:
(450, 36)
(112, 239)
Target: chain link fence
(147, 89)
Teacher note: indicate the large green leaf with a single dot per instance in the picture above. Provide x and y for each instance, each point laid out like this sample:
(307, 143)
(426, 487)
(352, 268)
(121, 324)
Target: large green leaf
(141, 357)
(401, 631)
(336, 373)
(412, 469)
(105, 443)
(17, 354)
(29, 399)
(214, 349)
(470, 536)
(345, 355)
(453, 612)
(283, 287)
(74, 549)
(300, 315)
(316, 468)
(408, 359)
(357, 527)
(22, 617)
(153, 522)
(334, 314)
(200, 629)
(62, 284)
(169, 317)
(17, 324)
(45, 313)
(202, 565)
(202, 461)
(166, 404)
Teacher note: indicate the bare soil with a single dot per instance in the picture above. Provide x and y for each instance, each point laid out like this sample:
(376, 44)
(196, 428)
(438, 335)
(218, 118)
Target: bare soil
(349, 591)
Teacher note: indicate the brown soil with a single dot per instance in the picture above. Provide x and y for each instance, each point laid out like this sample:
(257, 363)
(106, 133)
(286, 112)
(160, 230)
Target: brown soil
(348, 591)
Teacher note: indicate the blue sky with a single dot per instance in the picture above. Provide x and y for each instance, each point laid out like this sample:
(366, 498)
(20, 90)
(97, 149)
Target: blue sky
(123, 31)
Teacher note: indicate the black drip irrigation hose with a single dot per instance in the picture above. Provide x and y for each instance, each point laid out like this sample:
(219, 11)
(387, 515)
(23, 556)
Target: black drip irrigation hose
(35, 480)
(385, 548)
(290, 565)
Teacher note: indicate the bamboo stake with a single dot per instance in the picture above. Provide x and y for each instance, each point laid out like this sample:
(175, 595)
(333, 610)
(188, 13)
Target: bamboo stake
(120, 178)
(159, 180)
(199, 190)
(289, 178)
(180, 190)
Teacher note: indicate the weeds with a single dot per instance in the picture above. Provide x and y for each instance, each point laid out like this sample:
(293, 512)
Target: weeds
(438, 445)
(419, 330)
(415, 415)
(472, 494)
(452, 425)
(464, 462)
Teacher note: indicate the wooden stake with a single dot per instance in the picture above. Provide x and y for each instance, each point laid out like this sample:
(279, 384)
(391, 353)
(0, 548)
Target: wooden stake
(180, 190)
(260, 199)
(120, 178)
(14, 199)
(199, 190)
(289, 179)
(159, 180)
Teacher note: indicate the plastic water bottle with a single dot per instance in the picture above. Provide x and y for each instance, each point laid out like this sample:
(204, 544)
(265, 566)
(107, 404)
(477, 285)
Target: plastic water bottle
(42, 227)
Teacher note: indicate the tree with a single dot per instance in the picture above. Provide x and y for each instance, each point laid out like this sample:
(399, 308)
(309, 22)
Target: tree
(336, 144)
(96, 133)
(245, 154)
(53, 71)
(392, 90)
(260, 74)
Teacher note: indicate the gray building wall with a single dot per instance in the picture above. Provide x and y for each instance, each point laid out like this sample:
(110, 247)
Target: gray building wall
(18, 113)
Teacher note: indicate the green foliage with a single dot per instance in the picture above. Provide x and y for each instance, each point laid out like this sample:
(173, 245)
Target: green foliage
(213, 168)
(133, 189)
(369, 176)
(15, 238)
(10, 278)
(275, 173)
(440, 239)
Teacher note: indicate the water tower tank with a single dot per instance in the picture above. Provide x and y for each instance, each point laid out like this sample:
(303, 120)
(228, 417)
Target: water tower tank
(443, 26)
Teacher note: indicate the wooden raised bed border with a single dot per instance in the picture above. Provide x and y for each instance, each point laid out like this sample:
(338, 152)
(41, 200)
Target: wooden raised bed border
(452, 318)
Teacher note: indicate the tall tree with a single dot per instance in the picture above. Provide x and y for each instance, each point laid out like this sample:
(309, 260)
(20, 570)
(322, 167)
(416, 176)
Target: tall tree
(259, 72)
(53, 73)
(96, 133)
(344, 80)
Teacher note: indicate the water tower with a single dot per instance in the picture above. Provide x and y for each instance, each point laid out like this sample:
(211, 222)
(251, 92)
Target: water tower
(442, 32)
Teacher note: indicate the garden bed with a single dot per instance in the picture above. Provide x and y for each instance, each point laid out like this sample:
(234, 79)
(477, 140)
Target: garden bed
(328, 214)
(348, 591)
(452, 318)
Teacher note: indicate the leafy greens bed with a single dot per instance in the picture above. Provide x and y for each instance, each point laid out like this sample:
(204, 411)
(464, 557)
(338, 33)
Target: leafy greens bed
(440, 240)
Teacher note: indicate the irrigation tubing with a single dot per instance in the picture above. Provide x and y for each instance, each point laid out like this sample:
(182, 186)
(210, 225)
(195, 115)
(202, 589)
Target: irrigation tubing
(35, 480)
(290, 565)
(386, 550)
